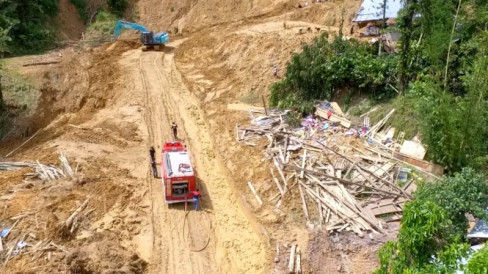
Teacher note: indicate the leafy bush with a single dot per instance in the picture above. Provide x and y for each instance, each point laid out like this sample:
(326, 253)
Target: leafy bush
(465, 192)
(431, 237)
(117, 6)
(454, 128)
(104, 25)
(478, 264)
(19, 97)
(324, 67)
(27, 21)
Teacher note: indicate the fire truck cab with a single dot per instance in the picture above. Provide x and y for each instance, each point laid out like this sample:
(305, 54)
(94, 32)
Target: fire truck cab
(178, 174)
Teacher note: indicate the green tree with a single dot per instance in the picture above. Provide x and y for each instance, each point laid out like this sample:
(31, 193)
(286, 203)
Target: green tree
(431, 237)
(465, 192)
(405, 25)
(478, 264)
(27, 21)
(324, 68)
(454, 127)
(117, 6)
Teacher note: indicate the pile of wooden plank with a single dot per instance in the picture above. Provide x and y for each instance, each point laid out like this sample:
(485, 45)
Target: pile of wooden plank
(341, 186)
(41, 171)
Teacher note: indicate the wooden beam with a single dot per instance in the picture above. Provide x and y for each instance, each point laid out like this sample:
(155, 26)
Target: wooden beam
(33, 135)
(298, 263)
(41, 63)
(344, 181)
(255, 193)
(291, 262)
(277, 182)
(303, 162)
(304, 204)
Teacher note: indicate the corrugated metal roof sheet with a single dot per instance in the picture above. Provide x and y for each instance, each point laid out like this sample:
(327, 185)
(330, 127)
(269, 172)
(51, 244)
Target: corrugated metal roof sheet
(372, 10)
(480, 230)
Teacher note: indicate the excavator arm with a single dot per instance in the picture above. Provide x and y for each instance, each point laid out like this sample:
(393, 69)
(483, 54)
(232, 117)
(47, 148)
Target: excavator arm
(122, 24)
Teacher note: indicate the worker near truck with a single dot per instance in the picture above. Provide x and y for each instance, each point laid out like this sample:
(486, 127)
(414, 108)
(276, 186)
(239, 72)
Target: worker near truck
(153, 162)
(152, 152)
(174, 128)
(196, 198)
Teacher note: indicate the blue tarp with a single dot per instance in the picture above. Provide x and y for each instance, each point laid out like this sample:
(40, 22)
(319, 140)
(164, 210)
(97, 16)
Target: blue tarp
(372, 10)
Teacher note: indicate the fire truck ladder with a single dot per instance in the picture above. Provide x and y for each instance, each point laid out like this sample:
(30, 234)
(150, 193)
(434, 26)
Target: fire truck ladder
(168, 164)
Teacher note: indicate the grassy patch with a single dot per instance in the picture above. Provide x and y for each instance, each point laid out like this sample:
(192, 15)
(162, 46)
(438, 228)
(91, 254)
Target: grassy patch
(250, 98)
(361, 107)
(404, 119)
(19, 92)
(20, 97)
(104, 26)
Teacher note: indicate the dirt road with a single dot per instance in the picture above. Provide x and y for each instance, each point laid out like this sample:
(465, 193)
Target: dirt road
(166, 100)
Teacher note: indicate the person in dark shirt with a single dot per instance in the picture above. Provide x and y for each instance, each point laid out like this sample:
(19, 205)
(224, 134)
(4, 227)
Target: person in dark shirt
(152, 152)
(196, 198)
(174, 128)
(153, 162)
(154, 169)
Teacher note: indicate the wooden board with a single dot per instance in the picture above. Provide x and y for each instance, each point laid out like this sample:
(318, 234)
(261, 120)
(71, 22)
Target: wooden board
(333, 118)
(337, 109)
(381, 170)
(413, 149)
(384, 209)
(424, 165)
(410, 187)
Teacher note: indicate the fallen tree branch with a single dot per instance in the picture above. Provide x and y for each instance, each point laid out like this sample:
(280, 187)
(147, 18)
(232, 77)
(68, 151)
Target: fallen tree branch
(69, 221)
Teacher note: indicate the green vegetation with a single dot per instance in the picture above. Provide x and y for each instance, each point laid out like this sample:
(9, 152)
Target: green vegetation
(17, 97)
(19, 92)
(27, 26)
(431, 238)
(250, 98)
(324, 68)
(479, 262)
(24, 25)
(439, 71)
(117, 6)
(104, 25)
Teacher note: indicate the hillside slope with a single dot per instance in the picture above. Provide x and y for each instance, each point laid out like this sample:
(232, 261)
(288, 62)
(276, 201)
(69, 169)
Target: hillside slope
(104, 108)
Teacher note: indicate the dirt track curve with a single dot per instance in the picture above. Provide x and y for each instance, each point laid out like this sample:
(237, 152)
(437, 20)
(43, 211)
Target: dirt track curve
(234, 246)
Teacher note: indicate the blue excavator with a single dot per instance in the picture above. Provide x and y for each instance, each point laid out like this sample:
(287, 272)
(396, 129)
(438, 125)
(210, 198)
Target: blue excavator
(149, 39)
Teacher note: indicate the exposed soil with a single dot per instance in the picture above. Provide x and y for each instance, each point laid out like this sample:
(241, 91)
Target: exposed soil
(104, 107)
(69, 23)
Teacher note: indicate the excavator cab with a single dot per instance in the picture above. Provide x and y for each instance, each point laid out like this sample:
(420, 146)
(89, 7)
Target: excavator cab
(147, 38)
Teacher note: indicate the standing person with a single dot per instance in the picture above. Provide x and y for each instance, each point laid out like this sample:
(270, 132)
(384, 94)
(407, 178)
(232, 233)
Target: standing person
(154, 170)
(196, 198)
(174, 128)
(152, 152)
(275, 71)
(153, 162)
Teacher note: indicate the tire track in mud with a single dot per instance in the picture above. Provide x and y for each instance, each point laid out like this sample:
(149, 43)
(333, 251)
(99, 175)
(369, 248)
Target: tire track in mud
(171, 253)
(149, 181)
(234, 246)
(239, 248)
(169, 109)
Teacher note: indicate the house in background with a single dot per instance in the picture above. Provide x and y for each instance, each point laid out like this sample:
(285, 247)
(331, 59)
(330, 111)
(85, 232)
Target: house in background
(372, 11)
(369, 19)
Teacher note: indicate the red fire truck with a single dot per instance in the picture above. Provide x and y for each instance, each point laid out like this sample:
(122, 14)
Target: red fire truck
(178, 175)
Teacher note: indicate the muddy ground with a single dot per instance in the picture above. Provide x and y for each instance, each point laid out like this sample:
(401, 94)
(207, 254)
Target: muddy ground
(104, 107)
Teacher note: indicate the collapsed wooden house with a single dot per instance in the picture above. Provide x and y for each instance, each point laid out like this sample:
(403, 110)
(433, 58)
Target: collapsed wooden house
(348, 179)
